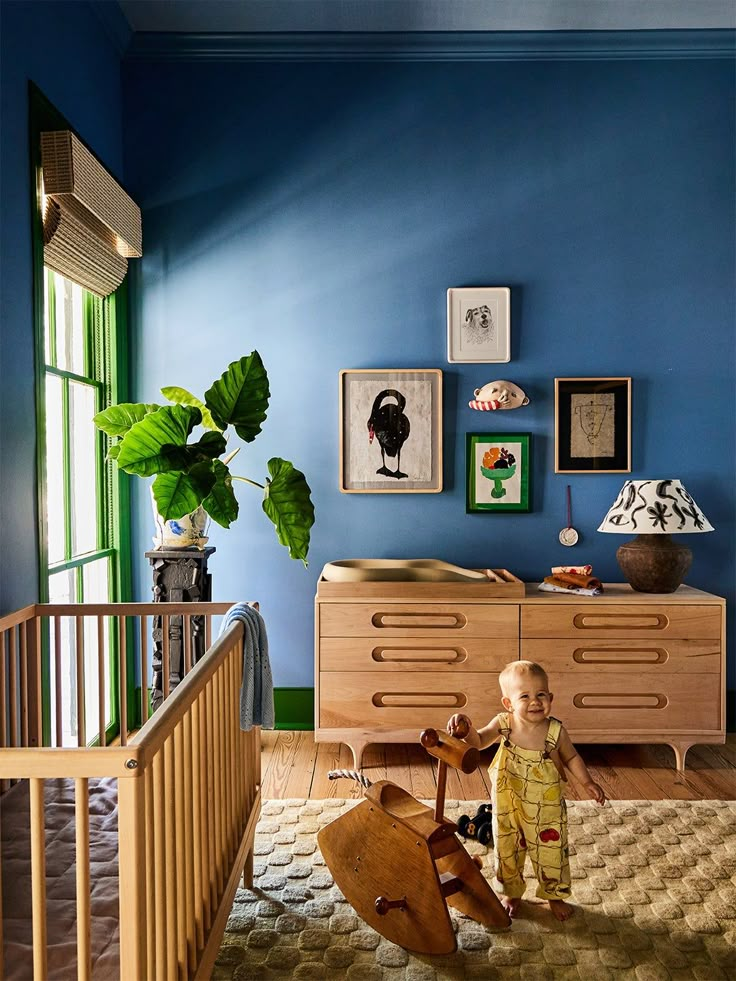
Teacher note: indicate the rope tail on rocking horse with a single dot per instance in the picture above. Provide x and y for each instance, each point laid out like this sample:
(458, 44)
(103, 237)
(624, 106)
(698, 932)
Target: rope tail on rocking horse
(399, 863)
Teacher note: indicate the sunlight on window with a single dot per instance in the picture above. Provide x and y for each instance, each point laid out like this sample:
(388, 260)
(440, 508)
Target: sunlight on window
(54, 469)
(83, 489)
(69, 325)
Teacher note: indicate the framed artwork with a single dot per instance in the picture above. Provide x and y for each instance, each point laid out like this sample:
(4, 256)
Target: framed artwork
(479, 325)
(592, 425)
(497, 472)
(391, 431)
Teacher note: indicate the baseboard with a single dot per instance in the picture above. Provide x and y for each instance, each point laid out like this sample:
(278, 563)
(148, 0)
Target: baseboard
(294, 708)
(731, 710)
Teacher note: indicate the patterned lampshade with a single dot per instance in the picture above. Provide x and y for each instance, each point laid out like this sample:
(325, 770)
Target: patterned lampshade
(654, 507)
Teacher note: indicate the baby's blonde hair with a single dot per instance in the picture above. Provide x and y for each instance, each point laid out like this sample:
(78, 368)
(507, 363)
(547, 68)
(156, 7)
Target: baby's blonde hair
(517, 668)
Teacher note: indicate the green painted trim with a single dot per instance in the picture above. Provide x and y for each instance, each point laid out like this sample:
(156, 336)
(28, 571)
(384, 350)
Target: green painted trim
(294, 708)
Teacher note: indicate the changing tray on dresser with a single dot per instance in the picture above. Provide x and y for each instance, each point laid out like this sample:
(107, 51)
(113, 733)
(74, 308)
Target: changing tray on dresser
(393, 658)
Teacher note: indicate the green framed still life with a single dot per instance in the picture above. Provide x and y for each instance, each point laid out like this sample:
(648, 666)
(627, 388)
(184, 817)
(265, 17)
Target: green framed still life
(497, 472)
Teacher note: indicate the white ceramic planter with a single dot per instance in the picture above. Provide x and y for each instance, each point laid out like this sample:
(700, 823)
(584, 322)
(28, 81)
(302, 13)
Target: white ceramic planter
(186, 532)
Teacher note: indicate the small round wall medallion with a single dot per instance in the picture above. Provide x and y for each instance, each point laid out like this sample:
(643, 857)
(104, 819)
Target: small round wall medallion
(568, 535)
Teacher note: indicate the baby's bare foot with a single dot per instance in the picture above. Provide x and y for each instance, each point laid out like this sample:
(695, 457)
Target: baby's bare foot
(561, 909)
(511, 905)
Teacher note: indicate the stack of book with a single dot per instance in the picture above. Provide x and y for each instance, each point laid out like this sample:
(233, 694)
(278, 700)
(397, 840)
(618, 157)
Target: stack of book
(572, 579)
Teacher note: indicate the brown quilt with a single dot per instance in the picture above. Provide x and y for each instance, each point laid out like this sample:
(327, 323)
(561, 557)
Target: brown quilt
(60, 880)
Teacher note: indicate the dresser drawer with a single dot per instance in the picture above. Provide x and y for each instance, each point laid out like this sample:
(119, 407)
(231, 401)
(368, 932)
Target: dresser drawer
(661, 655)
(427, 620)
(450, 655)
(605, 702)
(378, 700)
(635, 621)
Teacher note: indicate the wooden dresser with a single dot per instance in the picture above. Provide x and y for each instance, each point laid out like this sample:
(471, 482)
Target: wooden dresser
(625, 667)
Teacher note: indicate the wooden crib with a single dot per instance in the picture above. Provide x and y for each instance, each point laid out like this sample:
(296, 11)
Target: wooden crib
(188, 781)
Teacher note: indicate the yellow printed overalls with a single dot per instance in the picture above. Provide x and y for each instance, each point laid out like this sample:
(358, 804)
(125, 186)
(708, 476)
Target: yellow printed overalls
(529, 815)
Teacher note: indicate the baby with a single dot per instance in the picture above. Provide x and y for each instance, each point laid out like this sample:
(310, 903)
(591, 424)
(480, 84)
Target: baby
(527, 776)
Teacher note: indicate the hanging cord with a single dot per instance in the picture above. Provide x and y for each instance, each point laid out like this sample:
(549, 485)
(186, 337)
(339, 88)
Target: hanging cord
(351, 774)
(569, 508)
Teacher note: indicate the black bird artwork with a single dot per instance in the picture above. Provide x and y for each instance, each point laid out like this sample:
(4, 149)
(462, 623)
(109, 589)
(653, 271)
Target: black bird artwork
(391, 427)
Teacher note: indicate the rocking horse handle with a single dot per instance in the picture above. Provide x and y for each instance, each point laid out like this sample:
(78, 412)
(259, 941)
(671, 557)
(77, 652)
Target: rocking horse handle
(451, 750)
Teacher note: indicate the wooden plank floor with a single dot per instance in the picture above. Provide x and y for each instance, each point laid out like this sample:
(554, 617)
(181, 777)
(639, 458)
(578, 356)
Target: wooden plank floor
(293, 765)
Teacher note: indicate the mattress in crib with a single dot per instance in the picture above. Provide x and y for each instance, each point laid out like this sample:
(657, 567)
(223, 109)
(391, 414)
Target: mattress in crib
(60, 880)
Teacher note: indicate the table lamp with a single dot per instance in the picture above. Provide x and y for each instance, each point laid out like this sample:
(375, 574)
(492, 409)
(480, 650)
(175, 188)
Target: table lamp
(653, 510)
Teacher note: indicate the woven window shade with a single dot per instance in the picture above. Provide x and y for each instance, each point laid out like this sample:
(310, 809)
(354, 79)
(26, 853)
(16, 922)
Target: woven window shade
(91, 226)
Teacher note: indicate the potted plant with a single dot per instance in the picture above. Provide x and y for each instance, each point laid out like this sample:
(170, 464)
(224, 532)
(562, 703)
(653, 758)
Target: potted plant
(192, 471)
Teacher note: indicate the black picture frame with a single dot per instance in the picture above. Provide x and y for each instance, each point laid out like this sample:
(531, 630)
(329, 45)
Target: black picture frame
(593, 425)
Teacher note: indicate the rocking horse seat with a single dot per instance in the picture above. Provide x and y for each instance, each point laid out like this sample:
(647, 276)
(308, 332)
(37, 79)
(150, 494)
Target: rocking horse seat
(417, 817)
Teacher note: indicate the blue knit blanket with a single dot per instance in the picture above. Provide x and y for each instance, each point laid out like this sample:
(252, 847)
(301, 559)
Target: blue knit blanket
(256, 693)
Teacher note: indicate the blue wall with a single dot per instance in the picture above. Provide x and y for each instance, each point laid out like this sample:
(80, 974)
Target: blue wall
(319, 212)
(63, 48)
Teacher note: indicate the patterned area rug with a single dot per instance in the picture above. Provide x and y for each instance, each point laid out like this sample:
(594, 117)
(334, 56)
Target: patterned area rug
(654, 883)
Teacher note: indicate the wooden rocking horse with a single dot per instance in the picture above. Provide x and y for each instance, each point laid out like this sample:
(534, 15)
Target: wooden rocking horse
(399, 864)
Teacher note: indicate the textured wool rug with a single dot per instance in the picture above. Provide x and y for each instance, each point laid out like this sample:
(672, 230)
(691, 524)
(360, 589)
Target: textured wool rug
(654, 883)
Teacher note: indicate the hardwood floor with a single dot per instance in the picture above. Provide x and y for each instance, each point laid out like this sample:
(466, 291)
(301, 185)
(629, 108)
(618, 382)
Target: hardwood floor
(293, 765)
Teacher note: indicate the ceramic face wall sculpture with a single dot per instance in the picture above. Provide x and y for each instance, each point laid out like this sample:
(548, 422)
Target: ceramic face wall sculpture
(498, 395)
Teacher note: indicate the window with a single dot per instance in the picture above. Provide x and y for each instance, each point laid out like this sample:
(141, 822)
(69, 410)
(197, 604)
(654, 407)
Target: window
(83, 539)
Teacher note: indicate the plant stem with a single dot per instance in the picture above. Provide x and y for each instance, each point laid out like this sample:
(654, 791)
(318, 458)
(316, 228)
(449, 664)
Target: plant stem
(247, 481)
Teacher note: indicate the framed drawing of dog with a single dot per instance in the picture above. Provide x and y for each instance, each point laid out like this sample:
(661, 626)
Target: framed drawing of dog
(479, 324)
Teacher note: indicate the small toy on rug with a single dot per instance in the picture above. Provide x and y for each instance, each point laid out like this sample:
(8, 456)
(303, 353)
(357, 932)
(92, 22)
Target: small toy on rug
(572, 579)
(480, 827)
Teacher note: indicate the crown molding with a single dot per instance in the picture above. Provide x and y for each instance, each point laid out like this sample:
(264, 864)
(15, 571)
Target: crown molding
(114, 23)
(435, 46)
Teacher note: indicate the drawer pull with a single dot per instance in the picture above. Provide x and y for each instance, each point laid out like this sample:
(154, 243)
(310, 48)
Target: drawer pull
(419, 699)
(441, 620)
(618, 700)
(633, 655)
(415, 655)
(621, 621)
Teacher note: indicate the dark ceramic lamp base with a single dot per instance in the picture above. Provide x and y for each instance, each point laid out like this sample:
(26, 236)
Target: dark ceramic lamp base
(654, 563)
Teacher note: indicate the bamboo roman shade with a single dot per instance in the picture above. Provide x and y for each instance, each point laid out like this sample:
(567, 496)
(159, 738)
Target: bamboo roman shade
(91, 226)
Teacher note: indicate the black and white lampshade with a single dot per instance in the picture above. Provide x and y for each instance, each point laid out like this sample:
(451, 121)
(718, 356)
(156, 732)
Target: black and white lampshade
(652, 510)
(654, 507)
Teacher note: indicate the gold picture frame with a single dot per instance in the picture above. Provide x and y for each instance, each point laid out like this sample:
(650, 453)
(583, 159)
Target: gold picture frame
(593, 425)
(390, 429)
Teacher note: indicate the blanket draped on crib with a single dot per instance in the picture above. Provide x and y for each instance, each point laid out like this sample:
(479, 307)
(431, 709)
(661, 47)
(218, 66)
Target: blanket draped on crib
(256, 693)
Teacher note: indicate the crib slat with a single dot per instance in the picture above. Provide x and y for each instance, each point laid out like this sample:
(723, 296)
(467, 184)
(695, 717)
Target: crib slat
(123, 680)
(150, 876)
(189, 804)
(57, 680)
(159, 863)
(23, 685)
(182, 845)
(101, 714)
(187, 627)
(79, 651)
(171, 849)
(35, 701)
(165, 665)
(13, 686)
(197, 824)
(219, 787)
(143, 643)
(132, 893)
(38, 876)
(3, 686)
(84, 926)
(208, 823)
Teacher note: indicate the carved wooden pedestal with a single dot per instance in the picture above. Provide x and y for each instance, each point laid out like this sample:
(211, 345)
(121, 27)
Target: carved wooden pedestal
(179, 575)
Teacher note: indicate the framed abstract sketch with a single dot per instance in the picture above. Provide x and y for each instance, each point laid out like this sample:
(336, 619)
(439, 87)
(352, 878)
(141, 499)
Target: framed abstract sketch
(391, 431)
(592, 425)
(479, 325)
(497, 472)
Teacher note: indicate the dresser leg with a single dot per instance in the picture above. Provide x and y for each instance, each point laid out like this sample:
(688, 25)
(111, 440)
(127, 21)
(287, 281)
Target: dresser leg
(680, 750)
(356, 748)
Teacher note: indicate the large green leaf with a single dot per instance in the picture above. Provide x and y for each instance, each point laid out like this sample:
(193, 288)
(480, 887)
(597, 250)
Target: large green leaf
(155, 444)
(182, 397)
(287, 503)
(221, 503)
(118, 419)
(179, 493)
(211, 445)
(240, 397)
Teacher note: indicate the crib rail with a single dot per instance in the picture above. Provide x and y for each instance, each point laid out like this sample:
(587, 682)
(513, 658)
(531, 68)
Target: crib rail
(188, 781)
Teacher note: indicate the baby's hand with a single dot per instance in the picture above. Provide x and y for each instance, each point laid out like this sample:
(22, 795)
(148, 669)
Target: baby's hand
(596, 792)
(459, 721)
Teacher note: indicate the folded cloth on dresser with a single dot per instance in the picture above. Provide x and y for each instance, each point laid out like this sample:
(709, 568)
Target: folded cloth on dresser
(573, 579)
(553, 585)
(256, 692)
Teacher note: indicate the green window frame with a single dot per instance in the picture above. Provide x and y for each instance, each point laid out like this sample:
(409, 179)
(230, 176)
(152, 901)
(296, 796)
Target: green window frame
(81, 368)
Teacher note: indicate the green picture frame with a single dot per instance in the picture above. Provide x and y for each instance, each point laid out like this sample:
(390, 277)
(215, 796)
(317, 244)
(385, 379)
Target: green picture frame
(491, 487)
